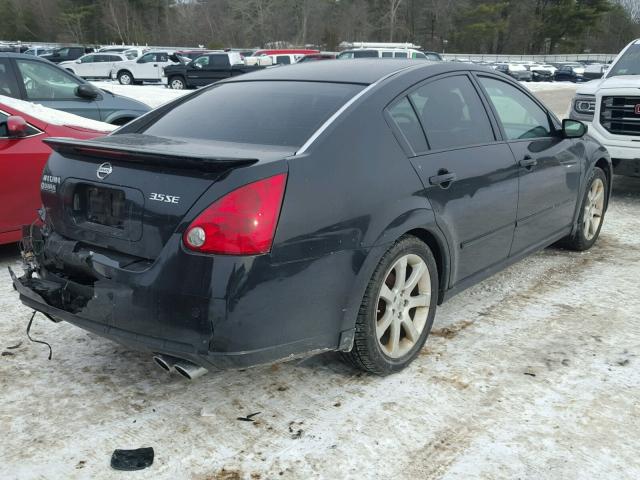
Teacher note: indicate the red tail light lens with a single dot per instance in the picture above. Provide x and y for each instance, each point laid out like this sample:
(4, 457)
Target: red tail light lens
(243, 222)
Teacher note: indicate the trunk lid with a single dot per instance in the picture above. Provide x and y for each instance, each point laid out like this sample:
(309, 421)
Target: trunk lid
(130, 192)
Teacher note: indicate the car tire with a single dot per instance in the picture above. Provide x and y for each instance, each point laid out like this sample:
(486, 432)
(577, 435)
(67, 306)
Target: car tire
(177, 83)
(389, 333)
(592, 211)
(125, 78)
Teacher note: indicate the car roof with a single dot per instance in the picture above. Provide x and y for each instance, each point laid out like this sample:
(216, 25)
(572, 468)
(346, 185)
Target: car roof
(22, 55)
(362, 71)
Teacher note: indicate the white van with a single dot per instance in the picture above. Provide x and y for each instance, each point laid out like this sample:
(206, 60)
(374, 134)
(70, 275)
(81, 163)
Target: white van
(382, 53)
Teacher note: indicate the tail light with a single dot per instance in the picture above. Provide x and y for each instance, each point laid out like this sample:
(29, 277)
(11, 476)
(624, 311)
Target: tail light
(243, 222)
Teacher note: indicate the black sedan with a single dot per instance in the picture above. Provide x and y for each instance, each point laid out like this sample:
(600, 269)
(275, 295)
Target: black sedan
(570, 73)
(323, 206)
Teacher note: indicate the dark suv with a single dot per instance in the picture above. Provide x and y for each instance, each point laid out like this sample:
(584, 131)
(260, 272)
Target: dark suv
(65, 54)
(35, 80)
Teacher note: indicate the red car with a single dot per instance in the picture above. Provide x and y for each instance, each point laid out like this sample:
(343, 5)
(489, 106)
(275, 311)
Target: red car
(23, 155)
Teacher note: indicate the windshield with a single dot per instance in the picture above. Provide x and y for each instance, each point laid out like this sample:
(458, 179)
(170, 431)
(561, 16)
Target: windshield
(282, 113)
(628, 64)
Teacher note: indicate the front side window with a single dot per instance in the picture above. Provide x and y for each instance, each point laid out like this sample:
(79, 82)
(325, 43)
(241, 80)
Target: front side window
(519, 115)
(46, 82)
(147, 58)
(280, 113)
(201, 62)
(4, 133)
(405, 118)
(452, 113)
(345, 56)
(3, 125)
(8, 84)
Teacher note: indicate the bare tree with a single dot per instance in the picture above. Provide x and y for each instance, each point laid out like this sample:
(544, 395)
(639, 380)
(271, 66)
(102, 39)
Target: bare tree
(393, 15)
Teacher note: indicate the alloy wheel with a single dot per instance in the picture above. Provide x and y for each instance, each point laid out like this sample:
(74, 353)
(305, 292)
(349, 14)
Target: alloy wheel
(125, 79)
(403, 305)
(177, 84)
(593, 209)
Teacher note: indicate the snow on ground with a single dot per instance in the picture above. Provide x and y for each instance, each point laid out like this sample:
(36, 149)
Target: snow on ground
(55, 117)
(531, 374)
(152, 95)
(547, 86)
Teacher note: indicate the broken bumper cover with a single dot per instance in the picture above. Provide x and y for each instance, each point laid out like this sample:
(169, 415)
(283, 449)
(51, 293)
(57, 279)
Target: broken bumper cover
(28, 289)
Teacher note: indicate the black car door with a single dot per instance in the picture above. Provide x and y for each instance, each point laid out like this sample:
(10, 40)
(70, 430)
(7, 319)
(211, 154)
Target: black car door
(196, 71)
(218, 68)
(469, 178)
(549, 165)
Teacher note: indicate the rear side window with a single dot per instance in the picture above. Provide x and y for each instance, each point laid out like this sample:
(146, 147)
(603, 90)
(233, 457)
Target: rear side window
(219, 61)
(452, 113)
(283, 60)
(387, 54)
(400, 55)
(520, 116)
(8, 84)
(265, 113)
(405, 118)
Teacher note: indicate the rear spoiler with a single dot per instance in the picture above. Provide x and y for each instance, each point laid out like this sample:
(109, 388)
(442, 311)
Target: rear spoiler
(172, 156)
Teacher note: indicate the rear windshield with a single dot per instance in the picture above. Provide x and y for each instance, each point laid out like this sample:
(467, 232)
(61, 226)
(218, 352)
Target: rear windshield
(263, 113)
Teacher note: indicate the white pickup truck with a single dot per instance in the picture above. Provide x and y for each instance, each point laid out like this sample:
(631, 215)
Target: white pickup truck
(147, 68)
(611, 108)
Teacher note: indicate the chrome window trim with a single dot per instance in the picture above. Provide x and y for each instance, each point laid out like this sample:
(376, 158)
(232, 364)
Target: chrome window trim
(342, 109)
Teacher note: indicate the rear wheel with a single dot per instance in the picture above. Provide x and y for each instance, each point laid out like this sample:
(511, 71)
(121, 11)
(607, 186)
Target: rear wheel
(591, 213)
(397, 310)
(125, 78)
(177, 83)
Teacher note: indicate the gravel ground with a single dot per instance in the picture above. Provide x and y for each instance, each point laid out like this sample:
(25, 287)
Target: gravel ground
(531, 374)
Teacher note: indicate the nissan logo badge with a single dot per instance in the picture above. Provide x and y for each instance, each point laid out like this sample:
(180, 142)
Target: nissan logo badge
(104, 171)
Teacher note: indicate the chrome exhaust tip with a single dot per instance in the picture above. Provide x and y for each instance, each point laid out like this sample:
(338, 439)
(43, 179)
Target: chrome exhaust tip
(189, 370)
(165, 362)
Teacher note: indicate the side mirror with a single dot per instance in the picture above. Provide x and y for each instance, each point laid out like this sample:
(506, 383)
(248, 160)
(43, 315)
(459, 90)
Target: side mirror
(78, 61)
(86, 91)
(573, 128)
(16, 126)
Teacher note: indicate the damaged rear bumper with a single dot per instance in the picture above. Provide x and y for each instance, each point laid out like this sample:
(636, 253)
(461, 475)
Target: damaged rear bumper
(30, 292)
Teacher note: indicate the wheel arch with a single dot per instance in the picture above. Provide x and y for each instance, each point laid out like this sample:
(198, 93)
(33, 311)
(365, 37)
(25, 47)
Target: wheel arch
(424, 228)
(607, 168)
(117, 117)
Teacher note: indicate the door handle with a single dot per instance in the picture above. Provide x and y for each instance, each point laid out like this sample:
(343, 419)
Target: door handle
(443, 179)
(528, 162)
(155, 64)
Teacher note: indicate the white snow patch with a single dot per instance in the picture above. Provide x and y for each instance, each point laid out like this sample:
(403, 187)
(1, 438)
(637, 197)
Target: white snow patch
(55, 117)
(152, 95)
(546, 86)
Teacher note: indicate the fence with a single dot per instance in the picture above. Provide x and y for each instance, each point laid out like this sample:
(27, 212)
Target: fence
(569, 57)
